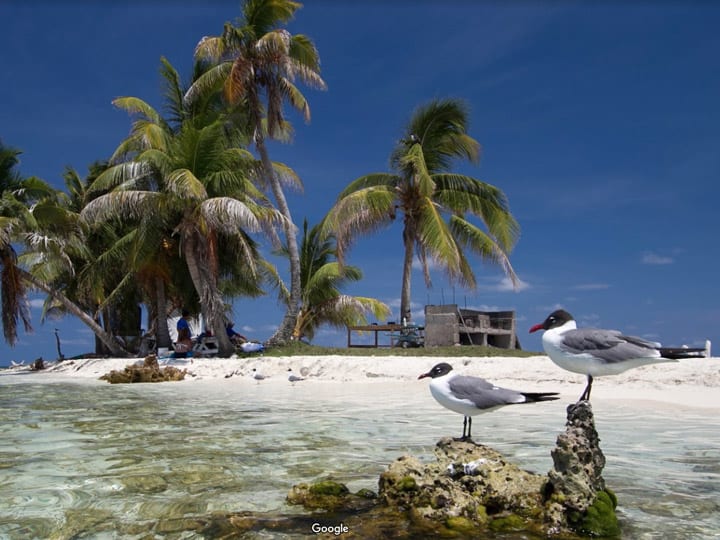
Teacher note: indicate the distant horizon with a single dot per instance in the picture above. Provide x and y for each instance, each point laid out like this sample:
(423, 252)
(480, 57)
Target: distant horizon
(600, 122)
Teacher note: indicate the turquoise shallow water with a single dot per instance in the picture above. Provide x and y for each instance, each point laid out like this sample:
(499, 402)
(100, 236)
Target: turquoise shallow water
(142, 461)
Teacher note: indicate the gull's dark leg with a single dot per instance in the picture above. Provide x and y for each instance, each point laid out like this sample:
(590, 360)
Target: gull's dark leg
(469, 436)
(586, 393)
(465, 419)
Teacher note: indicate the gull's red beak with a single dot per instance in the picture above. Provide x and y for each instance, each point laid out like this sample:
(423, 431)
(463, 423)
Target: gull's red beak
(424, 375)
(536, 328)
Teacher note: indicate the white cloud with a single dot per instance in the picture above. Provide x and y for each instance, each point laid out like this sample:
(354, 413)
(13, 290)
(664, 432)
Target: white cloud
(653, 258)
(506, 285)
(591, 287)
(431, 263)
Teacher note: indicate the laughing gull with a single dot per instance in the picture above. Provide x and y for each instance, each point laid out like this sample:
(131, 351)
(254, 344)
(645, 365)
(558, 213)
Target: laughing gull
(292, 377)
(472, 395)
(257, 375)
(594, 352)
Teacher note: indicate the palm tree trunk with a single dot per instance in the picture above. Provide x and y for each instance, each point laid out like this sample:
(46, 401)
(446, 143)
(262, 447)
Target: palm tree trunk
(162, 332)
(211, 301)
(113, 346)
(284, 333)
(405, 311)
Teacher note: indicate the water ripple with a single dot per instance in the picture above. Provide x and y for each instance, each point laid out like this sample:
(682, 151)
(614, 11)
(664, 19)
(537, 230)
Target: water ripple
(116, 462)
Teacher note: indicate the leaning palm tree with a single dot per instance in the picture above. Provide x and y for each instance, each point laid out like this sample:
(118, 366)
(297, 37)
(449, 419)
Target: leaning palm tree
(443, 212)
(37, 217)
(259, 61)
(322, 279)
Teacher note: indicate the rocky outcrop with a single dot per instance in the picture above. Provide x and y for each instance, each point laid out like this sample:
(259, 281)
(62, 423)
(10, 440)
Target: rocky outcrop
(148, 371)
(577, 496)
(471, 489)
(468, 486)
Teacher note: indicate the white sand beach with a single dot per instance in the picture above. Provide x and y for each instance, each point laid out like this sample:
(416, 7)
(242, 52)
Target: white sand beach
(692, 382)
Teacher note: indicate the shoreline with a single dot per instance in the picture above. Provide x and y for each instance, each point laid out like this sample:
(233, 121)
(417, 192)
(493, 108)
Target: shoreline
(688, 383)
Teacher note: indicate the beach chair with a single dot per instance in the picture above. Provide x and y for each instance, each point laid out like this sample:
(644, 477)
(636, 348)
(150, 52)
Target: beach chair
(206, 346)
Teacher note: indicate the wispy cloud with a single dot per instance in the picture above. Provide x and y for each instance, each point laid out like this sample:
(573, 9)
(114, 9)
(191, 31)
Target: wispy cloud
(650, 257)
(505, 284)
(591, 287)
(431, 263)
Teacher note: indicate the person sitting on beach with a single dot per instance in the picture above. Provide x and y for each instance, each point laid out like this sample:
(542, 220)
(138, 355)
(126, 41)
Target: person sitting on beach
(184, 340)
(236, 338)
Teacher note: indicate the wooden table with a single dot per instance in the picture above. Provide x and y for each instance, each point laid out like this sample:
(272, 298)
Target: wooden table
(392, 329)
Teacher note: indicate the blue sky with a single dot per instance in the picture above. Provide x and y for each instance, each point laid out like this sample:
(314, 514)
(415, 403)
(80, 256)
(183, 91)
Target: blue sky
(599, 121)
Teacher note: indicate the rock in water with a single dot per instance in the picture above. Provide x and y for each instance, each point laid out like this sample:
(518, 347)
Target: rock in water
(148, 371)
(578, 497)
(469, 488)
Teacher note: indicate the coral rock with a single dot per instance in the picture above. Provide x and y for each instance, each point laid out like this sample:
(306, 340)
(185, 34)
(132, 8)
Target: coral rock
(149, 371)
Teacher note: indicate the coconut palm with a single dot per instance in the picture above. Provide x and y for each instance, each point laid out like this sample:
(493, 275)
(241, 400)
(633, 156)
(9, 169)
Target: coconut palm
(58, 253)
(258, 61)
(322, 279)
(19, 198)
(33, 215)
(444, 213)
(197, 183)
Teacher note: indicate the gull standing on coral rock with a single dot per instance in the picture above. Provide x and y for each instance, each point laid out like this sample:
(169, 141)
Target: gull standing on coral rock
(472, 395)
(594, 352)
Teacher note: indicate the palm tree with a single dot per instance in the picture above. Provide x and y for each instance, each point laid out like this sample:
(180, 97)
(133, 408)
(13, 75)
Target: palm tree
(50, 234)
(258, 60)
(19, 199)
(192, 179)
(434, 202)
(57, 252)
(322, 278)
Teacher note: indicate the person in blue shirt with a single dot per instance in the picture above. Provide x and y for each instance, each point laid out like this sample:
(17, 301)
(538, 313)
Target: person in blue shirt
(184, 340)
(235, 337)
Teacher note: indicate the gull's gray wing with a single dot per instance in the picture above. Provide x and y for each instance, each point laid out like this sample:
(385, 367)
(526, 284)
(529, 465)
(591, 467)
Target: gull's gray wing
(609, 345)
(483, 394)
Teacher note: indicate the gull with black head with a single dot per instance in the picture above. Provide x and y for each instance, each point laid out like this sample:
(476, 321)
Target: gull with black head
(594, 352)
(294, 378)
(470, 396)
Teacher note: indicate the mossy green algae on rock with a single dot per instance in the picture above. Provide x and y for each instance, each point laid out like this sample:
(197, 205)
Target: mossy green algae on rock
(599, 518)
(330, 496)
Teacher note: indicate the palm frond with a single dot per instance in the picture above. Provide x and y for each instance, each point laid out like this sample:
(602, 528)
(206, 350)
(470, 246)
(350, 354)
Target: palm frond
(123, 174)
(362, 211)
(262, 15)
(437, 238)
(462, 194)
(417, 173)
(136, 107)
(289, 91)
(119, 205)
(229, 215)
(173, 92)
(482, 244)
(207, 83)
(182, 183)
(306, 60)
